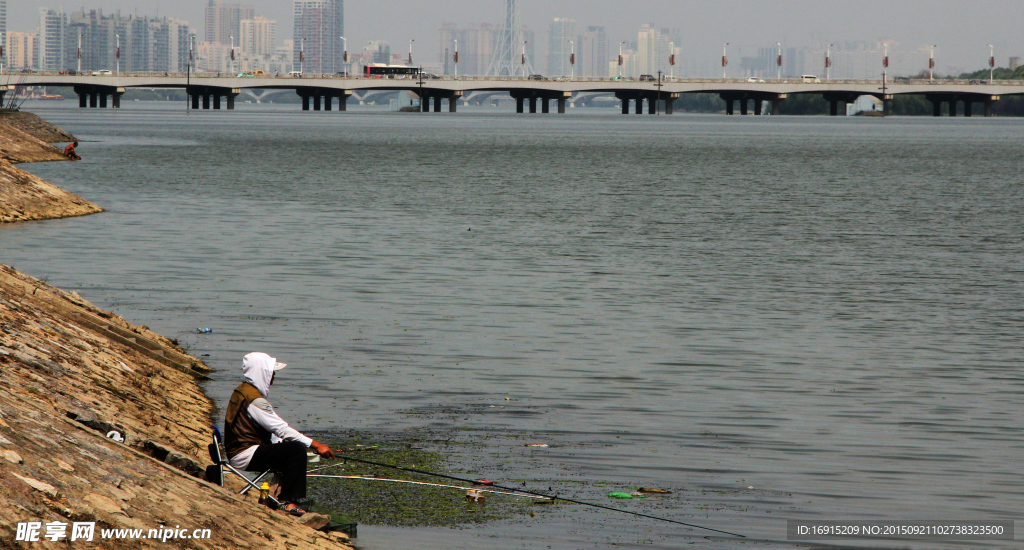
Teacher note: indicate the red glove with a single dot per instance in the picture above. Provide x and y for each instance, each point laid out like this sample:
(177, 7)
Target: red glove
(321, 449)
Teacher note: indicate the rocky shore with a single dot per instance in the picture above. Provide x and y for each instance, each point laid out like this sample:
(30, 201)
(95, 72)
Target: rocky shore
(23, 138)
(70, 374)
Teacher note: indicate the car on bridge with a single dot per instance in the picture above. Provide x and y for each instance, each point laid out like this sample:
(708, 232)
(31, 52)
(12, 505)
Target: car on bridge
(104, 72)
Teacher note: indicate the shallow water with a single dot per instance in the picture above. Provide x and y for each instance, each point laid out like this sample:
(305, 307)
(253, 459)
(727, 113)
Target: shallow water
(826, 310)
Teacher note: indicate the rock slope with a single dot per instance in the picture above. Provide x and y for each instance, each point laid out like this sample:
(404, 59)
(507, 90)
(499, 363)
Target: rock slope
(70, 373)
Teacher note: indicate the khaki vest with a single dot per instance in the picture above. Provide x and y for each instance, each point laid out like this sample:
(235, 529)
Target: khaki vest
(240, 430)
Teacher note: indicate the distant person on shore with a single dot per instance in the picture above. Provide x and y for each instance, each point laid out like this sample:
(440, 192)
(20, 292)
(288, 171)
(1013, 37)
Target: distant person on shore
(69, 151)
(257, 439)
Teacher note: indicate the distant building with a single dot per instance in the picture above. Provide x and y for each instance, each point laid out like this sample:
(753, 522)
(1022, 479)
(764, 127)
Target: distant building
(3, 19)
(319, 26)
(258, 36)
(560, 33)
(223, 21)
(22, 50)
(52, 26)
(653, 50)
(379, 51)
(592, 53)
(146, 44)
(476, 47)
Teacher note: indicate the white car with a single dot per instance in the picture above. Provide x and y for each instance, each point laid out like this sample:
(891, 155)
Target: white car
(752, 79)
(102, 73)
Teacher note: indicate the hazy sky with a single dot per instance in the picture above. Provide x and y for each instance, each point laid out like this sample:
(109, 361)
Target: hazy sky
(962, 30)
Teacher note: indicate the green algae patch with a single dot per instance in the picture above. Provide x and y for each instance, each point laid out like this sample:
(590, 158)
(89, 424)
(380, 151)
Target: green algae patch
(396, 504)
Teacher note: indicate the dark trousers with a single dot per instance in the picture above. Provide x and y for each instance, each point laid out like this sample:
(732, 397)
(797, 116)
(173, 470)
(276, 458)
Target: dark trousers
(288, 459)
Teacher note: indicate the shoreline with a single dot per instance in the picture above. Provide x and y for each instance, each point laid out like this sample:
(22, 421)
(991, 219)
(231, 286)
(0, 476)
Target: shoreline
(25, 196)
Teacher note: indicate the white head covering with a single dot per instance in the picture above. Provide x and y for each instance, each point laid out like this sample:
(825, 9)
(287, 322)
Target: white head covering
(258, 368)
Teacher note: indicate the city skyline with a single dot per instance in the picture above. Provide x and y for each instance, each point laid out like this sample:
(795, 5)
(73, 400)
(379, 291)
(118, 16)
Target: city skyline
(911, 27)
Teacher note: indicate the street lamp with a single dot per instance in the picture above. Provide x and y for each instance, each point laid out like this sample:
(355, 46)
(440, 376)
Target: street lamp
(410, 50)
(885, 65)
(725, 59)
(672, 59)
(828, 63)
(302, 54)
(456, 58)
(778, 61)
(991, 62)
(344, 54)
(572, 59)
(79, 53)
(620, 60)
(118, 54)
(931, 63)
(232, 62)
(523, 58)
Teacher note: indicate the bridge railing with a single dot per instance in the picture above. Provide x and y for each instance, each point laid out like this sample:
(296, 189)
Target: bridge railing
(9, 75)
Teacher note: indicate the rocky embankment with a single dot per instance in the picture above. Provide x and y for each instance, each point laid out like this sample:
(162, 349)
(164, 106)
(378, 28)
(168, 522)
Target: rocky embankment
(23, 138)
(70, 374)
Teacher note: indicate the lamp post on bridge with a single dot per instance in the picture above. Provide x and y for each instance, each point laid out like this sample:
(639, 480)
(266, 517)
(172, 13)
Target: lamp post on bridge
(672, 60)
(456, 58)
(344, 56)
(523, 59)
(619, 69)
(572, 59)
(885, 66)
(118, 54)
(991, 62)
(302, 54)
(828, 63)
(410, 50)
(725, 59)
(231, 63)
(79, 55)
(931, 63)
(778, 61)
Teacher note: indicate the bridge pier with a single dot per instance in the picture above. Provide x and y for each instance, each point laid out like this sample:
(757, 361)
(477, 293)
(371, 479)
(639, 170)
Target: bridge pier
(757, 107)
(533, 105)
(103, 100)
(988, 108)
(216, 100)
(519, 105)
(729, 107)
(967, 107)
(545, 108)
(953, 107)
(936, 108)
(743, 107)
(639, 107)
(316, 101)
(625, 106)
(437, 104)
(561, 105)
(652, 105)
(424, 103)
(452, 102)
(327, 102)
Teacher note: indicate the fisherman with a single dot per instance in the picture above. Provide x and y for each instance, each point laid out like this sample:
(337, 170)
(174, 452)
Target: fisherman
(257, 439)
(69, 151)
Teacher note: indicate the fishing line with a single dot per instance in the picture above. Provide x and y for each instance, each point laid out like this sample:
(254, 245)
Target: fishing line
(552, 497)
(431, 485)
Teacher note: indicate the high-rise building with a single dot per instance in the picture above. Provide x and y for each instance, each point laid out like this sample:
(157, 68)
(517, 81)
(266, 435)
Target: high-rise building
(379, 51)
(146, 44)
(592, 53)
(22, 50)
(51, 39)
(560, 33)
(223, 21)
(319, 26)
(258, 36)
(653, 50)
(3, 18)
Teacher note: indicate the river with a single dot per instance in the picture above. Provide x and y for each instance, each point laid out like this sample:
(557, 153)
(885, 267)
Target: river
(775, 317)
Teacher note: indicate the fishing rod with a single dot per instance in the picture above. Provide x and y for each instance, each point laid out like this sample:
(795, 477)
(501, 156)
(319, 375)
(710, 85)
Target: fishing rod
(366, 478)
(552, 497)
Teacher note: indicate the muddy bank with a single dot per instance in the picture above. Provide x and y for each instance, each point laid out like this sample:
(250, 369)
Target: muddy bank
(70, 374)
(26, 197)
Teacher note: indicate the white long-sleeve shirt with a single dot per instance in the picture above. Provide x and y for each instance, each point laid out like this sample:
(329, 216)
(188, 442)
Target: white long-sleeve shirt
(263, 413)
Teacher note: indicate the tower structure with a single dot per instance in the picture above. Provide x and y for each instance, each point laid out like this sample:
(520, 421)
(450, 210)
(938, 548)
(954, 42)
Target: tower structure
(510, 51)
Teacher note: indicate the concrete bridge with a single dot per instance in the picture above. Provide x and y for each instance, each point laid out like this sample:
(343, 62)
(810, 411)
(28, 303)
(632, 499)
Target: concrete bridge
(320, 92)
